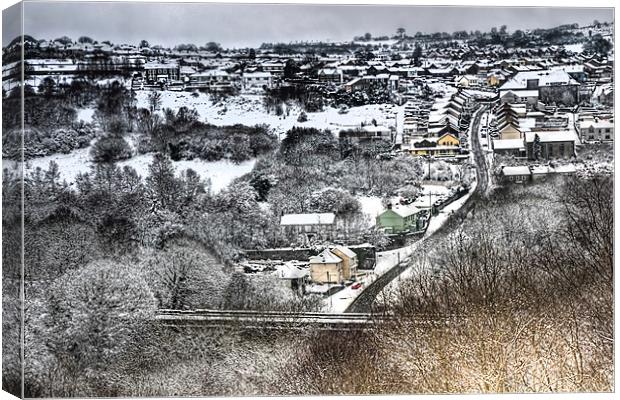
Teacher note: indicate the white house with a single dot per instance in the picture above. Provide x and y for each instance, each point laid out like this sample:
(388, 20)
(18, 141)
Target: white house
(257, 80)
(162, 71)
(214, 80)
(309, 226)
(467, 81)
(599, 130)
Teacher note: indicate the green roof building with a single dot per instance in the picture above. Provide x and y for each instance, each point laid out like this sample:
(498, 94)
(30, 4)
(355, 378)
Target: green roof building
(399, 218)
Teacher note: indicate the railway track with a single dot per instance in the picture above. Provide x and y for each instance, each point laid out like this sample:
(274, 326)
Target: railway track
(276, 320)
(264, 319)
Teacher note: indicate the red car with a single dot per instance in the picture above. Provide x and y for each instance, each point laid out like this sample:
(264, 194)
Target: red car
(356, 285)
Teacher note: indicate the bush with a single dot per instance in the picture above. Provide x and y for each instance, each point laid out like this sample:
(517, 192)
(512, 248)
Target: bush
(110, 149)
(186, 138)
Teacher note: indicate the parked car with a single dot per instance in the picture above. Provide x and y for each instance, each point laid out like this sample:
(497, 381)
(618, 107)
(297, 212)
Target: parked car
(356, 285)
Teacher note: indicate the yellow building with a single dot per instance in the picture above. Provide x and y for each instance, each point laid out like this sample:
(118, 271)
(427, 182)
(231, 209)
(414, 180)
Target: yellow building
(448, 139)
(510, 132)
(447, 145)
(327, 268)
(494, 80)
(349, 261)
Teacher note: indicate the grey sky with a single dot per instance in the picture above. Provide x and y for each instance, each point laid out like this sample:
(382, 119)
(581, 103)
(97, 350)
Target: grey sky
(243, 25)
(11, 23)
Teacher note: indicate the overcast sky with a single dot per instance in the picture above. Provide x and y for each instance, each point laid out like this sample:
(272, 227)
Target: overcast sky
(248, 25)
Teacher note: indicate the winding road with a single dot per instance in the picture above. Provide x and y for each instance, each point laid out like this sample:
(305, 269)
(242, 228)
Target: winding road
(363, 303)
(482, 168)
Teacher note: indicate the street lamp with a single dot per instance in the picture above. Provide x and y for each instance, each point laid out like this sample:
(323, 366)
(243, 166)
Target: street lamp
(328, 293)
(428, 158)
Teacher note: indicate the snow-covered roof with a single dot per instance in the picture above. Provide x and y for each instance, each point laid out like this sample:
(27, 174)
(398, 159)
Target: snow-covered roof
(551, 136)
(346, 251)
(405, 210)
(212, 72)
(437, 71)
(517, 170)
(257, 74)
(574, 68)
(291, 270)
(541, 169)
(596, 124)
(376, 129)
(187, 70)
(522, 93)
(160, 65)
(545, 78)
(467, 77)
(308, 219)
(565, 169)
(325, 257)
(507, 144)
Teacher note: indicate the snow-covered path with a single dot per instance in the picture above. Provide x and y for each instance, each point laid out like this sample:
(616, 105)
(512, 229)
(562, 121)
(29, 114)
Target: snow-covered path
(440, 219)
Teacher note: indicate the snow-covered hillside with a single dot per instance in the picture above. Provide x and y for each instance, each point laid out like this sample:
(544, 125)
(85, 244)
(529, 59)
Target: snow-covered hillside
(220, 173)
(249, 110)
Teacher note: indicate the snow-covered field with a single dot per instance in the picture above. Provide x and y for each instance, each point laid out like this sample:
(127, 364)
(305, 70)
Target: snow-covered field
(220, 173)
(85, 114)
(249, 110)
(243, 109)
(371, 206)
(575, 48)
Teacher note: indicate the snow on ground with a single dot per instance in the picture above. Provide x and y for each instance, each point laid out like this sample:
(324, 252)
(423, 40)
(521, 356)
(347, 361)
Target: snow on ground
(221, 173)
(371, 206)
(438, 220)
(338, 302)
(249, 110)
(442, 87)
(69, 165)
(481, 93)
(85, 114)
(435, 189)
(575, 48)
